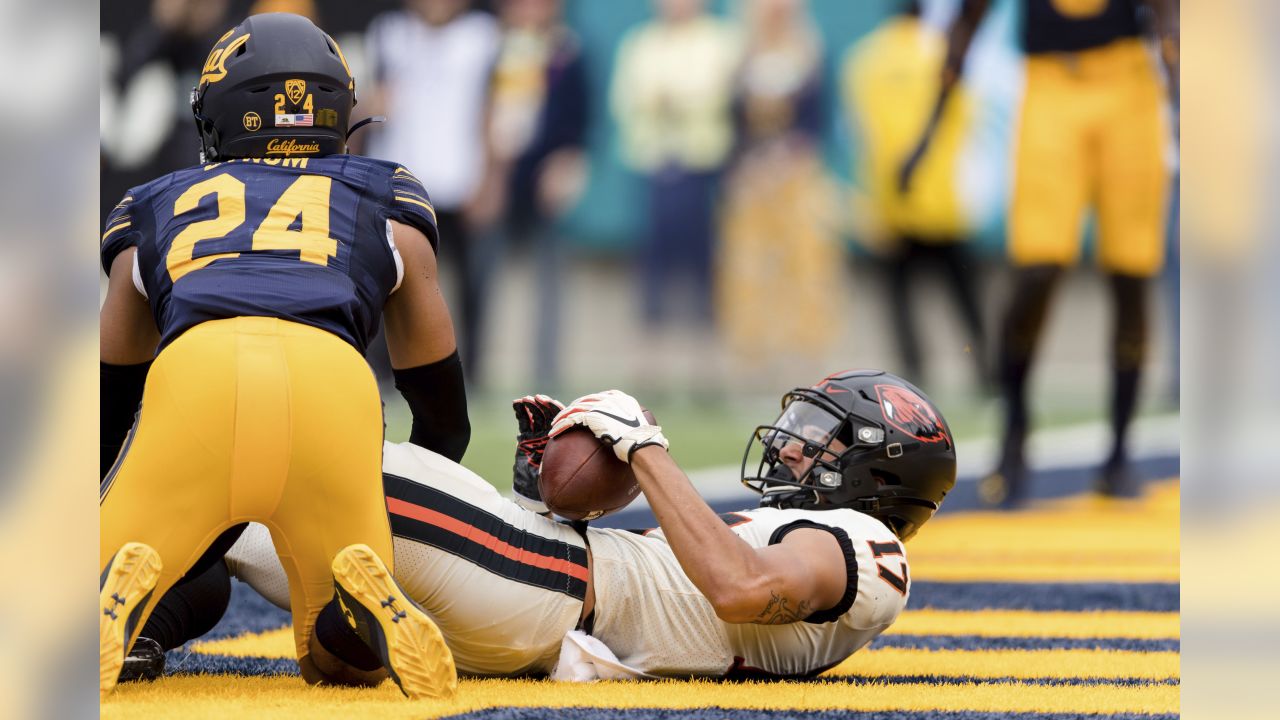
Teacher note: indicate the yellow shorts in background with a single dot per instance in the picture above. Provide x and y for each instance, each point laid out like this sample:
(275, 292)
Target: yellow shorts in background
(1092, 134)
(258, 419)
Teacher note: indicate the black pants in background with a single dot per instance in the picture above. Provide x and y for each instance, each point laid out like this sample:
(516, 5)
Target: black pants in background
(955, 261)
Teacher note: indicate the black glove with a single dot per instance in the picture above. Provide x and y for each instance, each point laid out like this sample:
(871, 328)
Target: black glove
(534, 414)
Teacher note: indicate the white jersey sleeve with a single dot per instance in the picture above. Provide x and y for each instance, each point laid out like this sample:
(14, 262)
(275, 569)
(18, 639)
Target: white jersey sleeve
(654, 619)
(878, 580)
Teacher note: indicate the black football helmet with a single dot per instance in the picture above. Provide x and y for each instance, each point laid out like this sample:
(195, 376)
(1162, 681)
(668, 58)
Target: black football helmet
(878, 446)
(274, 86)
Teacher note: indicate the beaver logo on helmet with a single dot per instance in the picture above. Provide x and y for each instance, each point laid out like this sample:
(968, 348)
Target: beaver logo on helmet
(911, 414)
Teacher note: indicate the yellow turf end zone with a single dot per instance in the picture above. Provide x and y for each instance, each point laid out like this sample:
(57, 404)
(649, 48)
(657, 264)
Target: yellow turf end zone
(1058, 671)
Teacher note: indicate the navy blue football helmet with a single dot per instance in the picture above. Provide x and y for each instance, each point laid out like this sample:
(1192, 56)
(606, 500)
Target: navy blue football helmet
(274, 86)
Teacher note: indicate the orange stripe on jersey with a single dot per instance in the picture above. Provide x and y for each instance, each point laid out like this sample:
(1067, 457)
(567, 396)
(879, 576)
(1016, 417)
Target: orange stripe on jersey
(475, 534)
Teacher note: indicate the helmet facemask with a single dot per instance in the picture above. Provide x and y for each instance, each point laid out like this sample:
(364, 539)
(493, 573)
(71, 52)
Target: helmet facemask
(803, 460)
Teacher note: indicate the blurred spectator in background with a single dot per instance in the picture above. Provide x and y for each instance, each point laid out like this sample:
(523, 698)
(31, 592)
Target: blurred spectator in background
(148, 72)
(305, 8)
(1092, 135)
(150, 131)
(431, 63)
(890, 80)
(778, 232)
(537, 167)
(671, 94)
(1172, 280)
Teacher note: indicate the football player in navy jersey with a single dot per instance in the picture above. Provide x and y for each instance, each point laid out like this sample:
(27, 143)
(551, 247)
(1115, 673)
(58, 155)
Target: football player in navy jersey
(243, 292)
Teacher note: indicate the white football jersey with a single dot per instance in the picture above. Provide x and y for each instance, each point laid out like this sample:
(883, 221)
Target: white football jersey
(505, 585)
(653, 618)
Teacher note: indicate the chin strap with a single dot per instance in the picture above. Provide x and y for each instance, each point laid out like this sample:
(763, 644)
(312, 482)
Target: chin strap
(867, 505)
(788, 496)
(366, 121)
(204, 127)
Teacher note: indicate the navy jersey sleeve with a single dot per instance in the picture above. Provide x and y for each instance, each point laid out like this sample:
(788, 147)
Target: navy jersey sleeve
(410, 205)
(120, 232)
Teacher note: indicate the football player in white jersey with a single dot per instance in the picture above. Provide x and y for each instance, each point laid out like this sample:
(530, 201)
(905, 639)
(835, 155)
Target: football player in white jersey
(851, 469)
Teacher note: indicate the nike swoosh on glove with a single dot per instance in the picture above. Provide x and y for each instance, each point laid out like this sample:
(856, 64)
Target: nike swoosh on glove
(615, 418)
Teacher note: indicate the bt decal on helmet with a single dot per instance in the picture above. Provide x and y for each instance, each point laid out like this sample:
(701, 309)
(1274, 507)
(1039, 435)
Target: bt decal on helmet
(911, 414)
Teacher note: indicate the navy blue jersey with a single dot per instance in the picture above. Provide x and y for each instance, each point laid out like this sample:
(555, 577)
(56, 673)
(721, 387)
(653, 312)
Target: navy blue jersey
(302, 239)
(1074, 25)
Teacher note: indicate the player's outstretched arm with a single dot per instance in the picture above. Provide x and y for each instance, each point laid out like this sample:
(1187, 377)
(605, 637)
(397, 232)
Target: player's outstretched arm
(423, 350)
(774, 585)
(782, 583)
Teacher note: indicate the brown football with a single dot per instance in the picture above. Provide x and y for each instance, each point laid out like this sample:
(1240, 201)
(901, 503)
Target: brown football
(582, 479)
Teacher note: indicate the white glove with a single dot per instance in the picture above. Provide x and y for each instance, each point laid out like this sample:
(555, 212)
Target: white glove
(615, 418)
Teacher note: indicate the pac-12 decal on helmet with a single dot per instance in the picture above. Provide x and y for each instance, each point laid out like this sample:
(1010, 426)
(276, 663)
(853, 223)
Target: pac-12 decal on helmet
(911, 414)
(866, 440)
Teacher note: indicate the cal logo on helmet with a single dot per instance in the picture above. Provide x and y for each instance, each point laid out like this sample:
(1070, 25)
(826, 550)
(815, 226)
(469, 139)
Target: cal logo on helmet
(215, 66)
(911, 414)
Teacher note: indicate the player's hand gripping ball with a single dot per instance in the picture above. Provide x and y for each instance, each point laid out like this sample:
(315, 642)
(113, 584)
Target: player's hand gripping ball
(534, 414)
(585, 474)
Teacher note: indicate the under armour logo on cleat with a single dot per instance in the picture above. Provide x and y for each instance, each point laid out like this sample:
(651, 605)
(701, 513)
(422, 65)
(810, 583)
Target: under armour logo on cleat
(109, 612)
(395, 618)
(116, 596)
(389, 601)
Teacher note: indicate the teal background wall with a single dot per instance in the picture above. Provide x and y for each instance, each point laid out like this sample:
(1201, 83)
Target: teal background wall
(608, 218)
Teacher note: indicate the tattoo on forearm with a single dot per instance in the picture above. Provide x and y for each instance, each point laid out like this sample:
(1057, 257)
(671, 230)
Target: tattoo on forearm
(779, 611)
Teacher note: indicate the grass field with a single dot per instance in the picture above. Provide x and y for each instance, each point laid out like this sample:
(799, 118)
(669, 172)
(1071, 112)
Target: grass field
(706, 433)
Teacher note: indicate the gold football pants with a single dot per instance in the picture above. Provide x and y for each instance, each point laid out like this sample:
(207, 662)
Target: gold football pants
(258, 419)
(1092, 134)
